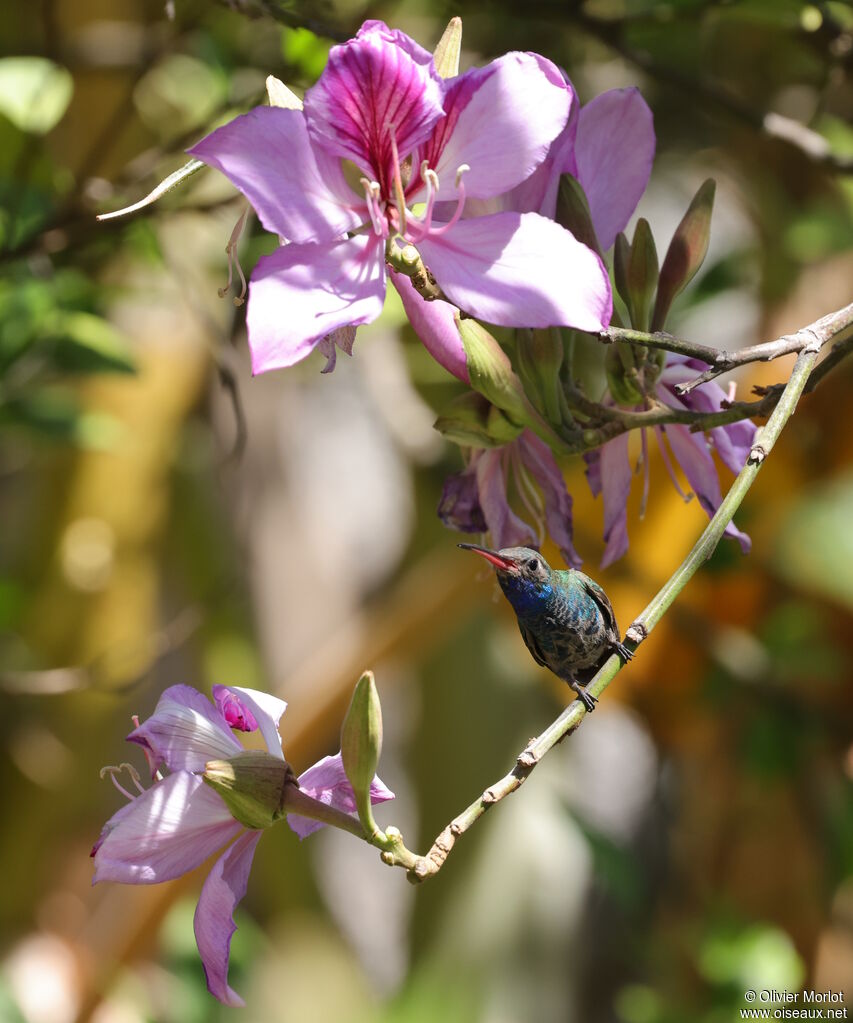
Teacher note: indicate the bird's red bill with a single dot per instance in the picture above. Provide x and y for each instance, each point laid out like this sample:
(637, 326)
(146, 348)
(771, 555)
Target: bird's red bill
(496, 559)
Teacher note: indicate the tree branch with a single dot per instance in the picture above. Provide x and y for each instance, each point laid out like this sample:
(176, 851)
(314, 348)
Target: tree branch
(419, 868)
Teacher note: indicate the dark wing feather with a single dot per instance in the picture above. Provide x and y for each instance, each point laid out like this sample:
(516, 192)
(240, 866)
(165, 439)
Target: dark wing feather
(603, 601)
(532, 645)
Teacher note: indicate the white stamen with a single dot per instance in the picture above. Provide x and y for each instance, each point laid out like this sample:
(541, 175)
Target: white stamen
(372, 193)
(113, 769)
(460, 201)
(234, 259)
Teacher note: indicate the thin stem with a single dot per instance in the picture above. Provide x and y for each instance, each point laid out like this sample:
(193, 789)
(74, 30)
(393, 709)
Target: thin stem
(419, 868)
(720, 361)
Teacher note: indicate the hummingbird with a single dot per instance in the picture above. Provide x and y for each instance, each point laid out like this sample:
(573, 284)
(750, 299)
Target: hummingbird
(566, 619)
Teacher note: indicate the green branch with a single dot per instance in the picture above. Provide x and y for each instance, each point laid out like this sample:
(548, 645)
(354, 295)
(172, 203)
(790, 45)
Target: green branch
(419, 868)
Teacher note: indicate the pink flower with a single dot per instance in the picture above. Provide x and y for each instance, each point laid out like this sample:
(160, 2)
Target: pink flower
(176, 824)
(609, 469)
(413, 138)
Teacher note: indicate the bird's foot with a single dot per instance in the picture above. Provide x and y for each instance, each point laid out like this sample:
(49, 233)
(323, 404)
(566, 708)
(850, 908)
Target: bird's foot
(624, 652)
(587, 699)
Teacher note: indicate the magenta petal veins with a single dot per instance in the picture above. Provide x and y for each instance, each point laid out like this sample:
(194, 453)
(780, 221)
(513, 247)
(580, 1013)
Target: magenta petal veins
(372, 92)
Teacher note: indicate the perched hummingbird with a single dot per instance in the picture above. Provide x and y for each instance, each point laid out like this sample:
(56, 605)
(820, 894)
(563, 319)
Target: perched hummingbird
(565, 618)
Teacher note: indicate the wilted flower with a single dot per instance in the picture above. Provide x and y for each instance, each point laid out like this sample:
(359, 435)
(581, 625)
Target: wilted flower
(476, 500)
(609, 469)
(173, 826)
(381, 109)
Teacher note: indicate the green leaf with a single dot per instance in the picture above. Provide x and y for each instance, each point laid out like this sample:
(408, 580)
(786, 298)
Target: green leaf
(34, 92)
(89, 344)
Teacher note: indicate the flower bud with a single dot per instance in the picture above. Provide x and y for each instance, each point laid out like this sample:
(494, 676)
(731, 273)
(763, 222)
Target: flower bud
(622, 370)
(471, 421)
(252, 786)
(573, 212)
(642, 275)
(361, 744)
(491, 372)
(540, 357)
(446, 55)
(686, 251)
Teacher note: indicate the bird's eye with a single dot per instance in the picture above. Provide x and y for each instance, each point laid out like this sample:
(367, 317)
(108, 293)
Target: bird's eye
(533, 564)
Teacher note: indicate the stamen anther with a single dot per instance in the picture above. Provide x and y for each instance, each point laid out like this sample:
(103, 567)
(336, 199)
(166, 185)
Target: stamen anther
(234, 260)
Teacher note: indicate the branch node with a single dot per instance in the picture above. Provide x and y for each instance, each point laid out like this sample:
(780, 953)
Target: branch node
(527, 760)
(756, 455)
(489, 797)
(637, 632)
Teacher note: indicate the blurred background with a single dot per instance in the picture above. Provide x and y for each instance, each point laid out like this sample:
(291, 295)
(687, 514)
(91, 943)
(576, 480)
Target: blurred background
(166, 518)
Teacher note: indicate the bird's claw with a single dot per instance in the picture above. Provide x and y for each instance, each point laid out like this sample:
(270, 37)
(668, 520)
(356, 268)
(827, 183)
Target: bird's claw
(587, 699)
(624, 652)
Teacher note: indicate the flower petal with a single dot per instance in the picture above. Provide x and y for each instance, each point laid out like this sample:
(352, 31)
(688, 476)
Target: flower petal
(301, 293)
(298, 193)
(371, 86)
(327, 781)
(523, 101)
(505, 527)
(264, 709)
(213, 922)
(614, 150)
(185, 731)
(694, 457)
(520, 270)
(165, 832)
(615, 486)
(435, 324)
(540, 462)
(459, 504)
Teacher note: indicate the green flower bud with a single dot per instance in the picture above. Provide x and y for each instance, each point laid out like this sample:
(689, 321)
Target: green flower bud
(573, 212)
(642, 275)
(471, 421)
(446, 55)
(540, 358)
(622, 371)
(686, 251)
(252, 785)
(361, 744)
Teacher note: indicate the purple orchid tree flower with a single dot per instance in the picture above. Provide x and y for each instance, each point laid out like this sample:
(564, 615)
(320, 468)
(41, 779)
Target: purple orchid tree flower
(381, 110)
(176, 824)
(610, 473)
(475, 500)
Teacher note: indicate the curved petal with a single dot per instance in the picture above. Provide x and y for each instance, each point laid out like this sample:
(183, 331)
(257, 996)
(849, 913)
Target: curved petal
(459, 504)
(301, 293)
(614, 149)
(520, 270)
(370, 86)
(185, 731)
(435, 325)
(234, 710)
(297, 193)
(501, 121)
(264, 709)
(165, 832)
(505, 527)
(213, 922)
(694, 457)
(327, 781)
(540, 463)
(393, 35)
(615, 486)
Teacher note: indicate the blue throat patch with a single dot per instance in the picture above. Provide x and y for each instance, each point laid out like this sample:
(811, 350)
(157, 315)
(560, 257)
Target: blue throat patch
(526, 597)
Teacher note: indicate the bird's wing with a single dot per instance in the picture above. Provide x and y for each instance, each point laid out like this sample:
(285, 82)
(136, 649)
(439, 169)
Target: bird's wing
(603, 601)
(532, 645)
